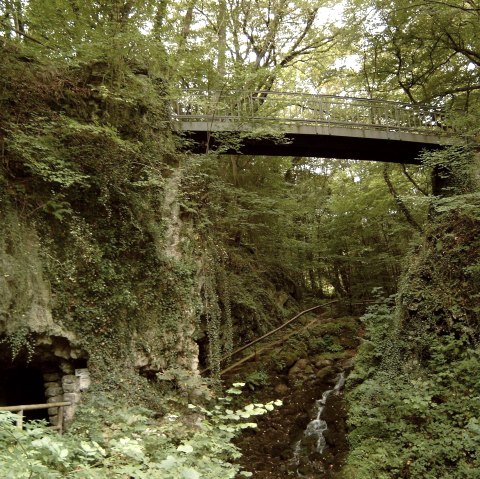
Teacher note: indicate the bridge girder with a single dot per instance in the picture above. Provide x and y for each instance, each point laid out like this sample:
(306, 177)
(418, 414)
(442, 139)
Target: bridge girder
(311, 141)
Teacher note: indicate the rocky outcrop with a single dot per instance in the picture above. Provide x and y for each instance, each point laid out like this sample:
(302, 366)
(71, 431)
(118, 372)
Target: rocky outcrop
(25, 297)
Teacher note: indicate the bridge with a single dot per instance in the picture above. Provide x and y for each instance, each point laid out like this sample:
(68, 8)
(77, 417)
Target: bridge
(302, 124)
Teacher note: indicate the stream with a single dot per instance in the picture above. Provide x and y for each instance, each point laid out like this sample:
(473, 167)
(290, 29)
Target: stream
(309, 448)
(306, 437)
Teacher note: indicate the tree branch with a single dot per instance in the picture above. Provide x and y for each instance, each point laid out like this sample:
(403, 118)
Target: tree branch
(473, 56)
(455, 7)
(411, 220)
(465, 89)
(26, 35)
(412, 180)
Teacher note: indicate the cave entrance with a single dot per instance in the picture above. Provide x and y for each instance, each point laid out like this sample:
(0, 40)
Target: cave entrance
(21, 386)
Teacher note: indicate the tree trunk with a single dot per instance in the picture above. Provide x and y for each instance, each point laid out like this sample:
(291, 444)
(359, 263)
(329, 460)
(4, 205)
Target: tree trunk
(222, 39)
(403, 207)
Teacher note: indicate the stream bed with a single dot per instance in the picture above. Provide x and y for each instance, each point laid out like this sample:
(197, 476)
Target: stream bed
(306, 437)
(308, 451)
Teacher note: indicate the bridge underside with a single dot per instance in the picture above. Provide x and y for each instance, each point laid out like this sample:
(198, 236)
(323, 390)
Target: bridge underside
(311, 141)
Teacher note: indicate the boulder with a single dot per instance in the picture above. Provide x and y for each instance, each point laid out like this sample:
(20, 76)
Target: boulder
(54, 390)
(70, 384)
(322, 363)
(323, 373)
(72, 398)
(50, 384)
(282, 389)
(51, 377)
(55, 399)
(53, 420)
(66, 367)
(302, 363)
(300, 371)
(84, 380)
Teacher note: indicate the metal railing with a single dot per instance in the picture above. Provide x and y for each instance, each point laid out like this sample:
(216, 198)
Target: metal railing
(31, 407)
(307, 109)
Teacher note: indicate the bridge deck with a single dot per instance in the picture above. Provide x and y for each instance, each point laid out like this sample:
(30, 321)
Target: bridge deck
(298, 124)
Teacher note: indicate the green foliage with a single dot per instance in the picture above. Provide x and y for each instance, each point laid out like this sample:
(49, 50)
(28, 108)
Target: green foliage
(256, 379)
(18, 340)
(455, 166)
(107, 441)
(83, 165)
(414, 393)
(24, 298)
(331, 339)
(86, 155)
(279, 228)
(418, 422)
(228, 220)
(43, 155)
(417, 51)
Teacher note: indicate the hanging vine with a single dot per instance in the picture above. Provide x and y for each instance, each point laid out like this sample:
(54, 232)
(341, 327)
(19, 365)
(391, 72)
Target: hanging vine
(225, 296)
(212, 315)
(217, 307)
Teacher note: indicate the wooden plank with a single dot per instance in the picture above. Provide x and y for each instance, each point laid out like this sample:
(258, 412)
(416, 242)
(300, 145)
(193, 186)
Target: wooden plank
(31, 407)
(60, 420)
(272, 332)
(20, 419)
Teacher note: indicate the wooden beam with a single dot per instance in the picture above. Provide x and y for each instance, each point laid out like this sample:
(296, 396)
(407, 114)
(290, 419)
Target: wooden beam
(31, 407)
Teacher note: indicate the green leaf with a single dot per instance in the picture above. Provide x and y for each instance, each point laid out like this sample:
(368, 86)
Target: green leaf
(168, 463)
(186, 448)
(190, 474)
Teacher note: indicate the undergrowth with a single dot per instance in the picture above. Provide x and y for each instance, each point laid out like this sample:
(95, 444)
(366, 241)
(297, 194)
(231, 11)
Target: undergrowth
(108, 441)
(414, 394)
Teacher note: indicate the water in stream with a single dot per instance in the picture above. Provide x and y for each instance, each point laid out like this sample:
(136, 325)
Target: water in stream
(313, 442)
(306, 437)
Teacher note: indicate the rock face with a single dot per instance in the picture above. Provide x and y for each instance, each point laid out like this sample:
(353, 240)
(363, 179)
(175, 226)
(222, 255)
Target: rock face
(27, 326)
(94, 271)
(36, 337)
(25, 297)
(25, 293)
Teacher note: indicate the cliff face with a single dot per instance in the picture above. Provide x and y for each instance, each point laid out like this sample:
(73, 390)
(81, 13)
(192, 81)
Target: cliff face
(120, 256)
(24, 293)
(92, 267)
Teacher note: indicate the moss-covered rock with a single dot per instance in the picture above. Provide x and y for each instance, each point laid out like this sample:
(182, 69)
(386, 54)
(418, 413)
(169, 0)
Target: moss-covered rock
(89, 250)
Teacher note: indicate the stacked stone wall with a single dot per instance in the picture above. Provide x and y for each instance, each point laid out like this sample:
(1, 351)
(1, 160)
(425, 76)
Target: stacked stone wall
(65, 385)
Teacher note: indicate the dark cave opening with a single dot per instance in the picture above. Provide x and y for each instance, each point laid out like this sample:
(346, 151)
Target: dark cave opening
(22, 386)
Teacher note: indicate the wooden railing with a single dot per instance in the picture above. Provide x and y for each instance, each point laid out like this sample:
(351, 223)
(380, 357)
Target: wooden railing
(270, 333)
(31, 407)
(307, 109)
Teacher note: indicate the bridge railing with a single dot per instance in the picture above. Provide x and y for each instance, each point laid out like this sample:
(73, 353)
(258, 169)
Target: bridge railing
(307, 109)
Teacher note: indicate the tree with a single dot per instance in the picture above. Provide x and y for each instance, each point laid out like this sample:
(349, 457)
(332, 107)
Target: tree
(427, 51)
(245, 44)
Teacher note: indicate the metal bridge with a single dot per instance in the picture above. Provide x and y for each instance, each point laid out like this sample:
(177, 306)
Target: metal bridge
(301, 124)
